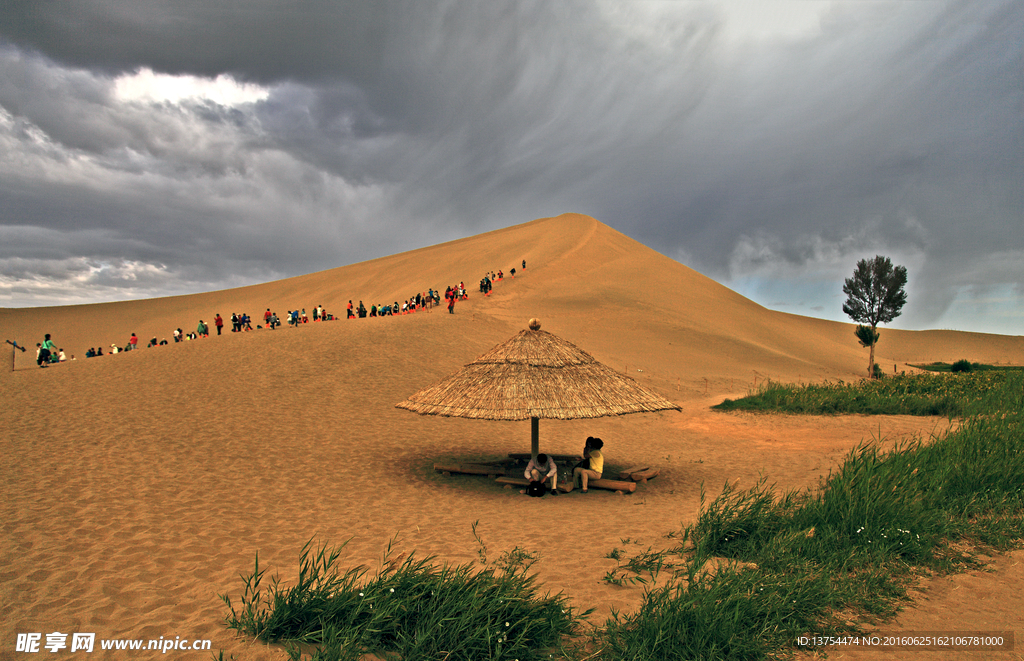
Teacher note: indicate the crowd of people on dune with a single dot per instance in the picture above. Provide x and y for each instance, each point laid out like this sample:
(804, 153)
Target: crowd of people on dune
(47, 353)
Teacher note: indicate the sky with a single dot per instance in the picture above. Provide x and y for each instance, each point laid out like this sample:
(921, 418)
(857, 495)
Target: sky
(150, 148)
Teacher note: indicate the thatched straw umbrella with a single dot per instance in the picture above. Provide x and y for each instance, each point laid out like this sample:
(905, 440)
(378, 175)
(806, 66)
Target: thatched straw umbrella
(535, 375)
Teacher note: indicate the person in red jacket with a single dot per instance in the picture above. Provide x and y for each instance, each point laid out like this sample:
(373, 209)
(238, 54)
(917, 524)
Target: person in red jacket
(218, 322)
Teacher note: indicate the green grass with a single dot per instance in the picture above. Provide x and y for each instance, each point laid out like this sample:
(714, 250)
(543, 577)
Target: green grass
(951, 395)
(837, 558)
(410, 609)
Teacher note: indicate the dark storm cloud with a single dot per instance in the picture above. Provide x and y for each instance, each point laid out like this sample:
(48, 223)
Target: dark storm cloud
(263, 40)
(766, 144)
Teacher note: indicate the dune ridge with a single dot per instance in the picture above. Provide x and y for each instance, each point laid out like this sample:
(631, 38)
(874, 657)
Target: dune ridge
(139, 486)
(577, 266)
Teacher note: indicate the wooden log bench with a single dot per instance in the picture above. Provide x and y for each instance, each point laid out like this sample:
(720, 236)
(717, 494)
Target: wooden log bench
(490, 470)
(639, 473)
(510, 482)
(603, 483)
(612, 485)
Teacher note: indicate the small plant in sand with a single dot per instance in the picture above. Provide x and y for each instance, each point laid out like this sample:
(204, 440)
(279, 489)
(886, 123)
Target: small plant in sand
(516, 559)
(632, 570)
(481, 548)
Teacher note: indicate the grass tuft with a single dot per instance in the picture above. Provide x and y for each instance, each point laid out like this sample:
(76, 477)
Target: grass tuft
(412, 608)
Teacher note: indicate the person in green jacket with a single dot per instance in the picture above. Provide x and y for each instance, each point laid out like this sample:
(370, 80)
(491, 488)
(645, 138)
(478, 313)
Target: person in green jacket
(45, 349)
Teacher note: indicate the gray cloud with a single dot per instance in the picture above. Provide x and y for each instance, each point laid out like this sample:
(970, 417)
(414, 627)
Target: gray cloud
(263, 40)
(769, 145)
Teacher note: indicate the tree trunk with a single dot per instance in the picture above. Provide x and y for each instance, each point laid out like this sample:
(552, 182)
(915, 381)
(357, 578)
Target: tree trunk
(871, 357)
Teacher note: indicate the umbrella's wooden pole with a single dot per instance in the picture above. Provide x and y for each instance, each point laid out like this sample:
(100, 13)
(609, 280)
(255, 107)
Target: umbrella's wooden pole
(534, 437)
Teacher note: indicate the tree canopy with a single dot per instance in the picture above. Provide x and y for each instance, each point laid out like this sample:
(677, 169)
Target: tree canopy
(875, 293)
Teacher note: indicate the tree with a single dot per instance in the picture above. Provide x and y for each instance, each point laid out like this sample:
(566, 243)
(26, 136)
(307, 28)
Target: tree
(874, 295)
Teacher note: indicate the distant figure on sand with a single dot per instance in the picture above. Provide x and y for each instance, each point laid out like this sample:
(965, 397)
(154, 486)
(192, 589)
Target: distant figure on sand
(45, 349)
(543, 469)
(592, 465)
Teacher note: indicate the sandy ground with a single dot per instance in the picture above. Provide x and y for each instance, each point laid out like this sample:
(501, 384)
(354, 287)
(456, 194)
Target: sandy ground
(137, 487)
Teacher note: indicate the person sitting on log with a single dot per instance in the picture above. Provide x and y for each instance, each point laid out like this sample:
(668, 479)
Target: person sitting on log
(542, 469)
(592, 465)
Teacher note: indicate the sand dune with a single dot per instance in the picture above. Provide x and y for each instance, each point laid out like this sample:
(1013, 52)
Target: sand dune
(138, 486)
